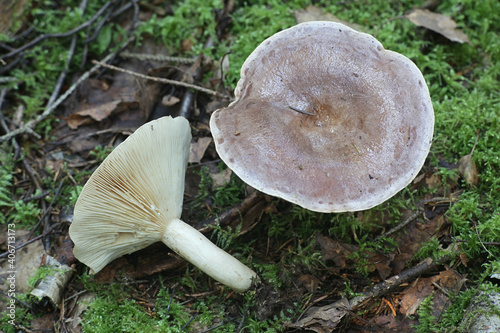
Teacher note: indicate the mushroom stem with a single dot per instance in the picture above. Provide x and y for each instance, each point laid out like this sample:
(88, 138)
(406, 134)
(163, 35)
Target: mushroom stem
(193, 246)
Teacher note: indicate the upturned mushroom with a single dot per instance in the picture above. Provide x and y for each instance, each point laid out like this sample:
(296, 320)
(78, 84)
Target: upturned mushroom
(326, 118)
(134, 199)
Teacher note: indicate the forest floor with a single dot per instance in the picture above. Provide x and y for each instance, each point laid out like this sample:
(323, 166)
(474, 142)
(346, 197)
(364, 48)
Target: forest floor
(416, 263)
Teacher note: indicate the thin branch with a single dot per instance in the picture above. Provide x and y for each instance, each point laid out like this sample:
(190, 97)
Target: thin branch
(28, 128)
(401, 225)
(61, 78)
(57, 35)
(394, 282)
(5, 254)
(162, 80)
(157, 57)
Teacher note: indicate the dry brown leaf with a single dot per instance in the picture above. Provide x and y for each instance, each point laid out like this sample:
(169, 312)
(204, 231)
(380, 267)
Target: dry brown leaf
(322, 319)
(310, 282)
(445, 283)
(415, 295)
(198, 149)
(468, 170)
(439, 23)
(28, 259)
(97, 113)
(332, 250)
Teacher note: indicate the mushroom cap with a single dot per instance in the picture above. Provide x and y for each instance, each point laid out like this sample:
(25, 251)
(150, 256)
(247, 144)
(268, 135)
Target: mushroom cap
(326, 118)
(137, 189)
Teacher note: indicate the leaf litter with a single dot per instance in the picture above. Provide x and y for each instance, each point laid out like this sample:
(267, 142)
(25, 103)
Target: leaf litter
(105, 110)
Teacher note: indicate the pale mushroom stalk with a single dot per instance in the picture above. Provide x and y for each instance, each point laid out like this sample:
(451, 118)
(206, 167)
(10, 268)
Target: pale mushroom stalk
(135, 199)
(193, 246)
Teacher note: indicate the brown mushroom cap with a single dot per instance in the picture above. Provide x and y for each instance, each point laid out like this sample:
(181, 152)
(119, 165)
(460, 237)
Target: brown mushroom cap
(326, 118)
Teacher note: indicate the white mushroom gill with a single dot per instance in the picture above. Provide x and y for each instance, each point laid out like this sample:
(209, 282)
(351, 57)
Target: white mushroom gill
(135, 199)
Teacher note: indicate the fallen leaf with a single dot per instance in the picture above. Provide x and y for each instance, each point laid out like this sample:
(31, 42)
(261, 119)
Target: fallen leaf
(332, 251)
(220, 70)
(415, 295)
(310, 282)
(169, 100)
(73, 322)
(198, 149)
(322, 319)
(443, 284)
(220, 179)
(468, 170)
(439, 23)
(97, 113)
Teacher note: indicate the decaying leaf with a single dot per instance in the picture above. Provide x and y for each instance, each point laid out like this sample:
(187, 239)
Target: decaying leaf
(322, 319)
(443, 284)
(468, 170)
(220, 179)
(198, 149)
(97, 113)
(439, 23)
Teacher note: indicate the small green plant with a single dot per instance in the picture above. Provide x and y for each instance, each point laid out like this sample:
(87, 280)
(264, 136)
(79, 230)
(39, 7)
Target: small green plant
(22, 315)
(273, 274)
(25, 214)
(430, 248)
(425, 317)
(349, 292)
(100, 152)
(114, 310)
(41, 273)
(220, 198)
(6, 177)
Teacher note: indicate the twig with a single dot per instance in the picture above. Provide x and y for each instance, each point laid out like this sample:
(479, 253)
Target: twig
(28, 128)
(37, 197)
(61, 78)
(133, 25)
(484, 243)
(189, 322)
(46, 231)
(57, 35)
(5, 254)
(157, 57)
(392, 283)
(401, 225)
(161, 80)
(100, 24)
(17, 148)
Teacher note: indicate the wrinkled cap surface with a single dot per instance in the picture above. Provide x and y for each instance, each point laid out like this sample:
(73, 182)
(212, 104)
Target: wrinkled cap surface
(326, 118)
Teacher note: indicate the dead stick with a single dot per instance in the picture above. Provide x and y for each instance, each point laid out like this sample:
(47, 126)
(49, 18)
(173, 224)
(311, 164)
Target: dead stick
(392, 283)
(58, 35)
(31, 124)
(162, 80)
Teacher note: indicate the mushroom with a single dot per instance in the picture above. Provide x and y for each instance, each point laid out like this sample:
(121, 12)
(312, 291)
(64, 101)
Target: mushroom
(326, 118)
(134, 199)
